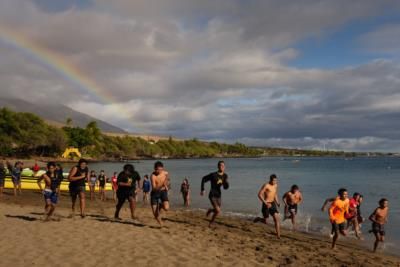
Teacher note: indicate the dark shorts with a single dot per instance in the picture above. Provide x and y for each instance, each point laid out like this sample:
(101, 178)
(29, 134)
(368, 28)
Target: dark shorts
(16, 180)
(76, 190)
(269, 211)
(158, 196)
(2, 182)
(125, 195)
(292, 208)
(50, 195)
(215, 200)
(102, 185)
(378, 228)
(338, 227)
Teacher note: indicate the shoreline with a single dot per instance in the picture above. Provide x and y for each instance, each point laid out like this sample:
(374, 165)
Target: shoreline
(185, 241)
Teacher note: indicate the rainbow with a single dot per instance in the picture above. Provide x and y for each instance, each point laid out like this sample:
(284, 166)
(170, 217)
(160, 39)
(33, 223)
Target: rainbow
(57, 64)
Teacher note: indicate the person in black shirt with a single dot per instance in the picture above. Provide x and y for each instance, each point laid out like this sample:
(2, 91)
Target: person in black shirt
(127, 181)
(217, 179)
(2, 177)
(77, 183)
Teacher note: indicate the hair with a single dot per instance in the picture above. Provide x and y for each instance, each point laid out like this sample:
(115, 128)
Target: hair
(356, 194)
(82, 161)
(129, 168)
(341, 191)
(381, 201)
(51, 163)
(220, 163)
(295, 187)
(92, 171)
(158, 164)
(115, 173)
(272, 177)
(146, 176)
(102, 171)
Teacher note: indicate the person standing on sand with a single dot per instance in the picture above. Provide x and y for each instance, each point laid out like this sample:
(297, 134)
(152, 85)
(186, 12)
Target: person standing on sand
(92, 184)
(102, 185)
(146, 189)
(337, 213)
(217, 179)
(127, 181)
(159, 191)
(77, 182)
(185, 190)
(52, 188)
(16, 172)
(2, 177)
(114, 184)
(378, 218)
(292, 199)
(268, 195)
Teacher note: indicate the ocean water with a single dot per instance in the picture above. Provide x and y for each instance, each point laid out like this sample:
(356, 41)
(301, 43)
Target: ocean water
(318, 179)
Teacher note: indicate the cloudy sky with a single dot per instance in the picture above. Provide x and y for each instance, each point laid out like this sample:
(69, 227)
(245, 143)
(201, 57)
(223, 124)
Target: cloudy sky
(304, 73)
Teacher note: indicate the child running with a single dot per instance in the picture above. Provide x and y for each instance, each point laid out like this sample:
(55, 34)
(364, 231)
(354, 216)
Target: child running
(352, 215)
(217, 179)
(102, 185)
(268, 196)
(337, 213)
(159, 191)
(292, 199)
(378, 218)
(52, 182)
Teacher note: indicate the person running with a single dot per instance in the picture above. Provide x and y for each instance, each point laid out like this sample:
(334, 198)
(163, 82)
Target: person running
(159, 191)
(352, 215)
(92, 184)
(102, 185)
(52, 182)
(185, 190)
(77, 182)
(146, 189)
(2, 177)
(217, 179)
(360, 218)
(16, 172)
(268, 195)
(337, 213)
(292, 199)
(127, 181)
(378, 218)
(114, 184)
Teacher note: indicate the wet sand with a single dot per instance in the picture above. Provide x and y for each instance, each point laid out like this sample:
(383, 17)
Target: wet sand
(97, 240)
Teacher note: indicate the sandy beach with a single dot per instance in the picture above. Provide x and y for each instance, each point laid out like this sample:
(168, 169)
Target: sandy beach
(185, 240)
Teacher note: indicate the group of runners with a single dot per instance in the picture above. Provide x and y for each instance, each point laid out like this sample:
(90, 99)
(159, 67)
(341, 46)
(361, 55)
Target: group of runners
(343, 212)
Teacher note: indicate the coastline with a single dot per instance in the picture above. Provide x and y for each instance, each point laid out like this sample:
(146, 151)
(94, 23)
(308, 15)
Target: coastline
(186, 240)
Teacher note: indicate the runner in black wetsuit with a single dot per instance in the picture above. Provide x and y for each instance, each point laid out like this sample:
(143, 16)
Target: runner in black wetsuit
(77, 183)
(127, 181)
(102, 184)
(217, 179)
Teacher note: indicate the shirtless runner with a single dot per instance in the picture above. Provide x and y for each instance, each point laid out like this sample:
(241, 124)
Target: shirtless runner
(268, 196)
(292, 199)
(379, 218)
(159, 193)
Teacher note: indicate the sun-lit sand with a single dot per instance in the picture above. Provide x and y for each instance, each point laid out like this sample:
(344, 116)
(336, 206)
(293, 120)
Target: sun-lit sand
(185, 241)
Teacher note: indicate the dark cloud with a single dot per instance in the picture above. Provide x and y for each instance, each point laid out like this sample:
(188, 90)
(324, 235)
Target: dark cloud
(215, 70)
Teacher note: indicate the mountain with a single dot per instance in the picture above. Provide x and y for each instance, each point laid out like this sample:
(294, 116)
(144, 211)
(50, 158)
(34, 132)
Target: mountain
(56, 114)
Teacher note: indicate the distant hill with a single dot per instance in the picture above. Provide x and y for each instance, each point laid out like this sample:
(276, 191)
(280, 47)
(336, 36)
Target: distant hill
(57, 114)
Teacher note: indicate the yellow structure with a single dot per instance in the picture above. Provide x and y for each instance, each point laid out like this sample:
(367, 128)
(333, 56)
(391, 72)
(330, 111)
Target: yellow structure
(71, 150)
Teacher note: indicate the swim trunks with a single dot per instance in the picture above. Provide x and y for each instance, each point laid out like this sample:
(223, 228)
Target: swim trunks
(215, 201)
(292, 208)
(269, 211)
(50, 195)
(76, 190)
(158, 196)
(338, 227)
(378, 228)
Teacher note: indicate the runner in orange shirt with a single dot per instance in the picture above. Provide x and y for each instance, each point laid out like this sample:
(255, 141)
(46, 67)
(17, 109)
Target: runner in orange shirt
(337, 215)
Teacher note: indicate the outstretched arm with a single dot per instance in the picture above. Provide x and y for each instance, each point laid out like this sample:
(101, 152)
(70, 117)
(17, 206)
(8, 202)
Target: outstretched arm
(205, 180)
(326, 203)
(39, 182)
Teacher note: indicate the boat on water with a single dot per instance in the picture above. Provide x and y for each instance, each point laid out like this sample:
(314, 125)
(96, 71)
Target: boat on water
(29, 181)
